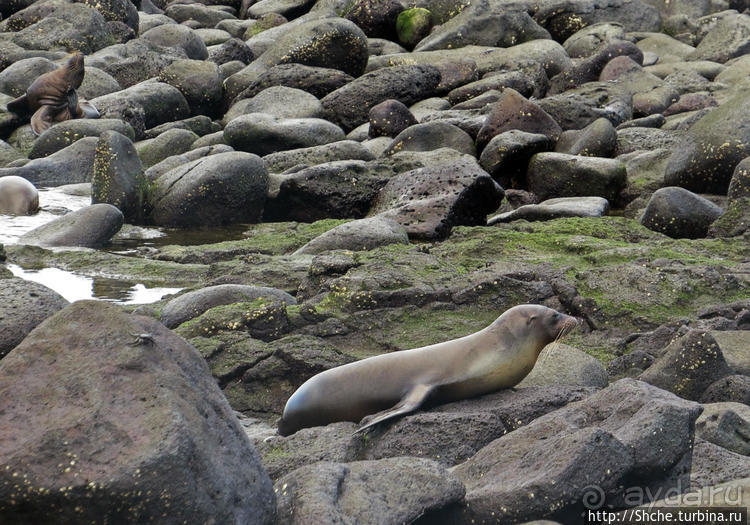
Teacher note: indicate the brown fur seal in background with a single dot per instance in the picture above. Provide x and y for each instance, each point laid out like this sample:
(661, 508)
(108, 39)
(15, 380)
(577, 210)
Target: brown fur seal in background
(18, 196)
(52, 97)
(497, 357)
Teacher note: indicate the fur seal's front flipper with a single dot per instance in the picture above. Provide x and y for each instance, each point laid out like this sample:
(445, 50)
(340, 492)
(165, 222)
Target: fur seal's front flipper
(410, 402)
(19, 105)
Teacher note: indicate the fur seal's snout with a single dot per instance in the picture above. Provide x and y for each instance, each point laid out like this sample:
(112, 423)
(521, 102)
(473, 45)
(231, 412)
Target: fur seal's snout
(390, 385)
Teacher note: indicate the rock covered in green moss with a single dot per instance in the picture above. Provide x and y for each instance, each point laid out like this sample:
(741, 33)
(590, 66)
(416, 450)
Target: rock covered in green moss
(412, 25)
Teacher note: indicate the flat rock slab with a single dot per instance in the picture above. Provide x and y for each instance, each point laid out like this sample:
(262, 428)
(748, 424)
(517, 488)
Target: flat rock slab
(381, 492)
(554, 209)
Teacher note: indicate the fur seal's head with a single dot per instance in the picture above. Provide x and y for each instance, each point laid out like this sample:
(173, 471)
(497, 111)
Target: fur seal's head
(536, 324)
(74, 68)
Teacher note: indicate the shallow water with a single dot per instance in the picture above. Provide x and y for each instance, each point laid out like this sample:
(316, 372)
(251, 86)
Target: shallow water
(54, 203)
(74, 287)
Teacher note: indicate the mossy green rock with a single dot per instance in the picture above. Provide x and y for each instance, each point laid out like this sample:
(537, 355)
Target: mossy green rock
(413, 25)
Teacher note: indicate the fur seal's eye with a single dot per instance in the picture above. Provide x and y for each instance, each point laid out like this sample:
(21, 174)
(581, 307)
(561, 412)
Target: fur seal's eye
(530, 319)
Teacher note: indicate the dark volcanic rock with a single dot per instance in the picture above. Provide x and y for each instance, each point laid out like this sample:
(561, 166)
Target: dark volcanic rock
(377, 18)
(141, 432)
(180, 37)
(680, 213)
(730, 388)
(513, 111)
(559, 175)
(213, 190)
(199, 81)
(712, 148)
(628, 431)
(362, 234)
(90, 227)
(428, 202)
(70, 26)
(598, 139)
(70, 165)
(721, 425)
(484, 23)
(160, 102)
(383, 492)
(65, 133)
(23, 305)
(389, 118)
(318, 81)
(118, 176)
(262, 134)
(507, 156)
(333, 43)
(350, 105)
(588, 69)
(431, 136)
(193, 304)
(339, 189)
(688, 366)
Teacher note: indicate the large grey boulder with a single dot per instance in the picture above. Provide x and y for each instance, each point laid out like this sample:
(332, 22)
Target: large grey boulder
(429, 201)
(71, 27)
(688, 366)
(218, 189)
(680, 213)
(23, 305)
(89, 227)
(63, 134)
(334, 43)
(141, 431)
(712, 148)
(561, 364)
(628, 431)
(561, 175)
(160, 102)
(349, 105)
(262, 134)
(71, 165)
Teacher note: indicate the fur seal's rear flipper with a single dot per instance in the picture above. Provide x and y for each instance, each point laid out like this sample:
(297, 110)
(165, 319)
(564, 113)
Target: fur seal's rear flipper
(411, 401)
(41, 120)
(87, 109)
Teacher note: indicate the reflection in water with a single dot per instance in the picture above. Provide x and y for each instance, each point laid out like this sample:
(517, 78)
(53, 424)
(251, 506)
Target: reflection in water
(76, 287)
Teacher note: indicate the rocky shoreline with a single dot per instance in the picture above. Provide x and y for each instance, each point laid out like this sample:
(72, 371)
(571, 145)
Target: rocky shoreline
(404, 174)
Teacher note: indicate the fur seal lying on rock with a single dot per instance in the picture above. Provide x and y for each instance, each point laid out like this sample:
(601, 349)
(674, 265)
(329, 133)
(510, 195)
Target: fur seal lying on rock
(390, 385)
(18, 196)
(52, 97)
